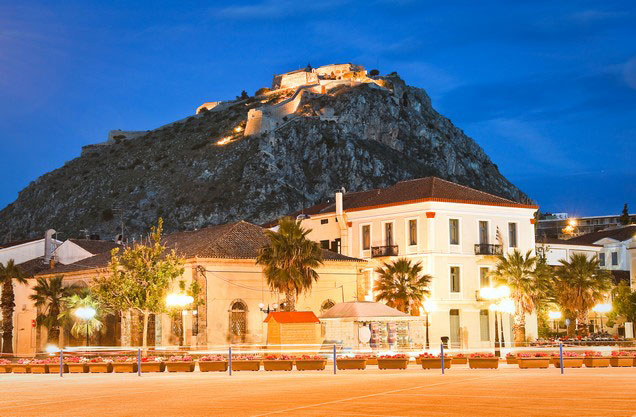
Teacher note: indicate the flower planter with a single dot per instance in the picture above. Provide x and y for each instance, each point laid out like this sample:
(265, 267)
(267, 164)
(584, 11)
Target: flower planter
(393, 363)
(616, 361)
(483, 363)
(124, 367)
(372, 361)
(310, 364)
(40, 368)
(512, 360)
(435, 363)
(596, 362)
(180, 366)
(246, 365)
(100, 367)
(153, 366)
(5, 368)
(344, 363)
(459, 361)
(533, 363)
(568, 362)
(77, 368)
(278, 365)
(21, 369)
(213, 366)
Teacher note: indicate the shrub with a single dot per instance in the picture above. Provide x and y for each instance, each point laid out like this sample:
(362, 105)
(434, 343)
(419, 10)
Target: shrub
(374, 72)
(262, 91)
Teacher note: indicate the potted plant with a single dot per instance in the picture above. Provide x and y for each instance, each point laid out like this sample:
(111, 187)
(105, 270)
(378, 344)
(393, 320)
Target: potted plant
(278, 363)
(76, 364)
(152, 364)
(594, 359)
(125, 364)
(460, 359)
(180, 363)
(310, 363)
(570, 360)
(511, 358)
(99, 365)
(528, 360)
(352, 362)
(398, 361)
(371, 359)
(39, 366)
(22, 366)
(483, 360)
(246, 363)
(430, 361)
(620, 358)
(5, 366)
(212, 363)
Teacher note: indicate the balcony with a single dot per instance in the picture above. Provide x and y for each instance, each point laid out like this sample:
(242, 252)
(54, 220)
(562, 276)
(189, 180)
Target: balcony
(379, 251)
(488, 249)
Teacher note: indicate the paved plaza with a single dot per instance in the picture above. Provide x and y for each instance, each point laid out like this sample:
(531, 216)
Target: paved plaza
(461, 392)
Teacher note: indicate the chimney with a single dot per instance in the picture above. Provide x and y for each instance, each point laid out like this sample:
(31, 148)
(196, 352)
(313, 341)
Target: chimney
(48, 245)
(338, 203)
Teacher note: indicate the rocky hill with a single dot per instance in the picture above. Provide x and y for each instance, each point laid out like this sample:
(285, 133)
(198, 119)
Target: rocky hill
(202, 170)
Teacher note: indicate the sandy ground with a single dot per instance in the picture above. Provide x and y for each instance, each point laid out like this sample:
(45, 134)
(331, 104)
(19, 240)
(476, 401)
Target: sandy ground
(507, 391)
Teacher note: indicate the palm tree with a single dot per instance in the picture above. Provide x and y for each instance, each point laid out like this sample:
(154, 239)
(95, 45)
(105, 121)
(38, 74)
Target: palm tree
(580, 284)
(527, 279)
(401, 285)
(289, 260)
(49, 299)
(81, 327)
(8, 273)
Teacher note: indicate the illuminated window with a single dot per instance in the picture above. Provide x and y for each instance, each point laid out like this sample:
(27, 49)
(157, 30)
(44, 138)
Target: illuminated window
(454, 279)
(453, 225)
(413, 232)
(366, 237)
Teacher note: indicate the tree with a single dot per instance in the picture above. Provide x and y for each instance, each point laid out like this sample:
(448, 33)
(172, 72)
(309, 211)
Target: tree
(374, 72)
(580, 284)
(140, 278)
(624, 219)
(527, 281)
(402, 285)
(82, 327)
(49, 298)
(261, 91)
(623, 303)
(289, 260)
(8, 273)
(243, 95)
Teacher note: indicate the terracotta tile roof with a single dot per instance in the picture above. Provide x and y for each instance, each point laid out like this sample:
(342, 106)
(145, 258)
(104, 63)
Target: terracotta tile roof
(33, 266)
(98, 261)
(411, 191)
(95, 246)
(620, 234)
(292, 317)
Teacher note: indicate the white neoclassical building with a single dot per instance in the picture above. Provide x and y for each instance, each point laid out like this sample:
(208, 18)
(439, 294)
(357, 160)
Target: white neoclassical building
(454, 231)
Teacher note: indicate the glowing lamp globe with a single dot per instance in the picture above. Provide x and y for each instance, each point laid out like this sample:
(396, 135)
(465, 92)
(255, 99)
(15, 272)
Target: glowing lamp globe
(85, 313)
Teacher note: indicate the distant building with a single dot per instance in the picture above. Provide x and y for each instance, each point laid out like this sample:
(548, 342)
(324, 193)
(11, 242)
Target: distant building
(563, 226)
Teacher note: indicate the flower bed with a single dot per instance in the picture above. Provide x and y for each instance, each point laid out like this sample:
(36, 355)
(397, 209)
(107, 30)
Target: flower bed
(310, 363)
(39, 366)
(5, 366)
(278, 363)
(125, 364)
(621, 358)
(152, 364)
(511, 359)
(533, 360)
(595, 359)
(459, 359)
(76, 364)
(352, 362)
(429, 361)
(398, 361)
(21, 366)
(183, 363)
(246, 363)
(99, 365)
(483, 360)
(212, 363)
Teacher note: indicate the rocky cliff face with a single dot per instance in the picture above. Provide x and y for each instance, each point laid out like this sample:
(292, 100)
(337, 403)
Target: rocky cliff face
(372, 138)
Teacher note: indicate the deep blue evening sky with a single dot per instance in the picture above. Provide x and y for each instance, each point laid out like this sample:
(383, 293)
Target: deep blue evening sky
(547, 88)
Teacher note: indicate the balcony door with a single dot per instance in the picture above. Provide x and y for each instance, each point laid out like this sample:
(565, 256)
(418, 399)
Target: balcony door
(483, 232)
(388, 234)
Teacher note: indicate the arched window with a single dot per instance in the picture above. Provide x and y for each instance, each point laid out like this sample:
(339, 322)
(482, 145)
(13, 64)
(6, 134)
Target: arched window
(326, 305)
(238, 320)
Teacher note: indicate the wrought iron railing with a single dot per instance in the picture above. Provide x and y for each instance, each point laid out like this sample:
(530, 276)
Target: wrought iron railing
(488, 249)
(378, 251)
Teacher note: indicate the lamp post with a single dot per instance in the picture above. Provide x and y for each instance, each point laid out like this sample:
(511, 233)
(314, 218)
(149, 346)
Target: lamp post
(86, 314)
(555, 316)
(180, 301)
(427, 307)
(500, 303)
(602, 309)
(268, 310)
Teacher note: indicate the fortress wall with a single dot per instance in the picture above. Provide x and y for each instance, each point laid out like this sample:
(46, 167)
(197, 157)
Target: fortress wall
(254, 122)
(209, 106)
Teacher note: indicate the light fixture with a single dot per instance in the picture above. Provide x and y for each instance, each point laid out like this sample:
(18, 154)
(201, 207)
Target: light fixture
(506, 306)
(51, 349)
(85, 313)
(602, 308)
(554, 315)
(428, 305)
(178, 300)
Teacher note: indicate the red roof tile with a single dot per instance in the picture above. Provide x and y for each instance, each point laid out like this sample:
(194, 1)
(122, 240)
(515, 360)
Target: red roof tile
(292, 317)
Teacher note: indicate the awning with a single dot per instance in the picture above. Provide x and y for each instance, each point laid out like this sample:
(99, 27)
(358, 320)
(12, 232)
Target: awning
(364, 311)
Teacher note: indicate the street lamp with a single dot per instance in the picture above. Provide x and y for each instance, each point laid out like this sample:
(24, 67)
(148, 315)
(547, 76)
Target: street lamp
(267, 310)
(427, 307)
(86, 314)
(602, 309)
(555, 316)
(500, 304)
(180, 300)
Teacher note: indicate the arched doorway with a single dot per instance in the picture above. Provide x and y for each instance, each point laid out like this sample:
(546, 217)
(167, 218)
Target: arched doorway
(238, 321)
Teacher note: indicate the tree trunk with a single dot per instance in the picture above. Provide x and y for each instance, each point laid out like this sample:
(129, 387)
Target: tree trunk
(8, 306)
(519, 327)
(290, 300)
(54, 332)
(581, 323)
(144, 337)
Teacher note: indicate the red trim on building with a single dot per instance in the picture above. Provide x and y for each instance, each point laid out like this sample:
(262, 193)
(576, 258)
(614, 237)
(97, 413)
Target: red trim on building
(430, 214)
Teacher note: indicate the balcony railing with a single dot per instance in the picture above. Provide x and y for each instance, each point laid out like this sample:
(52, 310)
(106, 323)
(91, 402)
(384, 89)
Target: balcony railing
(378, 251)
(488, 249)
